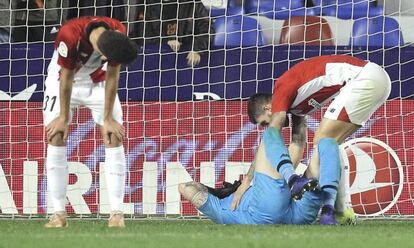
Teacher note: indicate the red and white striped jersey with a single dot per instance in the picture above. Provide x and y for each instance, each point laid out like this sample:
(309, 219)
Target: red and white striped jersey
(74, 51)
(308, 85)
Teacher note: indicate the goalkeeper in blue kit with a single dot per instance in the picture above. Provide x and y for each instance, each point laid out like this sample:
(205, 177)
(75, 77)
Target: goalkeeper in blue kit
(268, 200)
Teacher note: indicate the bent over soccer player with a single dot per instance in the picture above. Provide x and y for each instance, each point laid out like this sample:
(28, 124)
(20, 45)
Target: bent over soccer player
(268, 200)
(358, 88)
(76, 76)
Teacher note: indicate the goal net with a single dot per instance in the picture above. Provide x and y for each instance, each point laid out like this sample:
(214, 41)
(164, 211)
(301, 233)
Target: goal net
(188, 122)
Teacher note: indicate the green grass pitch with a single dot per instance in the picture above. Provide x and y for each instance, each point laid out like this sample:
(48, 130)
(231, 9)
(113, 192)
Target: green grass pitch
(198, 234)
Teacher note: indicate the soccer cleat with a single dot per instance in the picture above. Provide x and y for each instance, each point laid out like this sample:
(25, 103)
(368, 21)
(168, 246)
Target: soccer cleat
(328, 216)
(299, 185)
(116, 219)
(348, 217)
(57, 220)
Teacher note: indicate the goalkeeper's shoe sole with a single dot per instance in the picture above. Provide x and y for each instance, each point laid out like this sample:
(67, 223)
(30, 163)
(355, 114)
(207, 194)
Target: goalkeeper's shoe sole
(328, 216)
(302, 185)
(57, 220)
(116, 220)
(348, 217)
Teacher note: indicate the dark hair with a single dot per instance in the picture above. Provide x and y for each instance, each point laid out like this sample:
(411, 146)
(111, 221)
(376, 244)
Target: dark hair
(255, 105)
(117, 47)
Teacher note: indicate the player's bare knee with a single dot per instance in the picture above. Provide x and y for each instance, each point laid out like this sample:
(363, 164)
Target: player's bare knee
(335, 129)
(115, 142)
(340, 137)
(57, 140)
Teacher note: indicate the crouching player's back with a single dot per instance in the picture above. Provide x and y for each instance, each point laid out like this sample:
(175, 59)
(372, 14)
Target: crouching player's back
(266, 201)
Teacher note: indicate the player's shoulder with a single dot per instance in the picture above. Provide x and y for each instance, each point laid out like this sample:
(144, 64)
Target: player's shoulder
(114, 24)
(289, 79)
(77, 26)
(336, 58)
(71, 31)
(74, 24)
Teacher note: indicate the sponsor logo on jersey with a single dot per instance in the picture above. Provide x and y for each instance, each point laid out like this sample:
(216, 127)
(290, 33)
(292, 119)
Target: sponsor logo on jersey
(63, 49)
(316, 105)
(376, 176)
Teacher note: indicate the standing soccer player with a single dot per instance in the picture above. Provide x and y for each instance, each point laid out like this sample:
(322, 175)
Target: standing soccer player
(358, 88)
(77, 76)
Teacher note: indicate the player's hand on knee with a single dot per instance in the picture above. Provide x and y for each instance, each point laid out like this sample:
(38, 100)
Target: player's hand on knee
(193, 58)
(58, 126)
(112, 128)
(175, 45)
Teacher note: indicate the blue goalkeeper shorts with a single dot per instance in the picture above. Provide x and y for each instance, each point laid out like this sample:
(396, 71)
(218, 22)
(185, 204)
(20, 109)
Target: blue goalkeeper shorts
(267, 201)
(305, 210)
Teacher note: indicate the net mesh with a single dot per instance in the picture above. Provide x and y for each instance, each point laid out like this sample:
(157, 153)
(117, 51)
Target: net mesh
(188, 122)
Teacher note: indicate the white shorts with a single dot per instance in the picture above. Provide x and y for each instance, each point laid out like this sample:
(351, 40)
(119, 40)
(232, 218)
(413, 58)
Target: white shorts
(361, 97)
(84, 93)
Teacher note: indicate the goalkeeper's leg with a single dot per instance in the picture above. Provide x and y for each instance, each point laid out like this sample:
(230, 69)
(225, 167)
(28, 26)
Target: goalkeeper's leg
(330, 171)
(345, 214)
(326, 160)
(278, 156)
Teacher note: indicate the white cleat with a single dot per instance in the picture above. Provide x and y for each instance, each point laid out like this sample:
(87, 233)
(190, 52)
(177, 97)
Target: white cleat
(116, 219)
(57, 220)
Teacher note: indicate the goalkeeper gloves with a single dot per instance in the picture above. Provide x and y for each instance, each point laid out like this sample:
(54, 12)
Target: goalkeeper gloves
(226, 190)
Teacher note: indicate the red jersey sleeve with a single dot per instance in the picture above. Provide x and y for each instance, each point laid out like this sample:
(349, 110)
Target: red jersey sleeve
(66, 44)
(119, 27)
(283, 95)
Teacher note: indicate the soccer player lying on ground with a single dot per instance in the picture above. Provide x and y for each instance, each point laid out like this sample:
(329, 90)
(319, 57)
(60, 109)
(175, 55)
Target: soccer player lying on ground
(358, 88)
(268, 200)
(77, 76)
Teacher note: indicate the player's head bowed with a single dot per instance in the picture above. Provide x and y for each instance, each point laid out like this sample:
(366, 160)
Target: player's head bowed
(117, 47)
(256, 106)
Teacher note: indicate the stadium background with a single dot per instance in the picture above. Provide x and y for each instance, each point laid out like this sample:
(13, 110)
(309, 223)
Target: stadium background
(174, 113)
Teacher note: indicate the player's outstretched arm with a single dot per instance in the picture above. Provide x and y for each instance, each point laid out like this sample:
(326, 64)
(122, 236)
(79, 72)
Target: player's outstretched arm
(111, 127)
(244, 186)
(194, 192)
(111, 87)
(298, 140)
(226, 190)
(60, 124)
